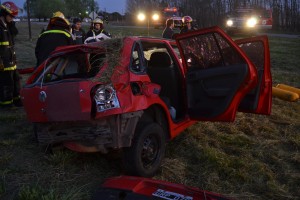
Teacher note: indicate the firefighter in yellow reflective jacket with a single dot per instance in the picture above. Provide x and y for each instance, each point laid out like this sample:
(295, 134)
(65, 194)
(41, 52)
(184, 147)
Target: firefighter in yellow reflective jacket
(9, 77)
(97, 32)
(56, 34)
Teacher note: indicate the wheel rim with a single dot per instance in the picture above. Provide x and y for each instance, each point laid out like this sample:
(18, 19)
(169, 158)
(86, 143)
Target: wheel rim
(150, 151)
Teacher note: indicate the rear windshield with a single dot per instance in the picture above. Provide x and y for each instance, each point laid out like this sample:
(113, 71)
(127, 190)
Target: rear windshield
(82, 63)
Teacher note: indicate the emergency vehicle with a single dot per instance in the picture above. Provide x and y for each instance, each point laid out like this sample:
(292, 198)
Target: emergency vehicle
(249, 20)
(168, 13)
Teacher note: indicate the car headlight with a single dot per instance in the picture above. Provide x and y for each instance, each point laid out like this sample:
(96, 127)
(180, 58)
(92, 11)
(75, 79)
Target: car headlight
(251, 22)
(105, 98)
(229, 22)
(155, 17)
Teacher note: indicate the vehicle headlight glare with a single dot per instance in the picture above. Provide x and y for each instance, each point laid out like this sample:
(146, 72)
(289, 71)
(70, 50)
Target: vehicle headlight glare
(141, 16)
(155, 17)
(229, 22)
(251, 22)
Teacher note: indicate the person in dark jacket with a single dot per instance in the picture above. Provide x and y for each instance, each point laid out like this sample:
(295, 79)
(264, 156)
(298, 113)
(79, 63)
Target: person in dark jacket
(9, 77)
(97, 32)
(168, 31)
(57, 34)
(77, 31)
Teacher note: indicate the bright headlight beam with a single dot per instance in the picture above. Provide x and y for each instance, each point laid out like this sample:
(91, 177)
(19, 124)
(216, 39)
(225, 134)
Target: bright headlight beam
(229, 22)
(155, 17)
(141, 16)
(251, 22)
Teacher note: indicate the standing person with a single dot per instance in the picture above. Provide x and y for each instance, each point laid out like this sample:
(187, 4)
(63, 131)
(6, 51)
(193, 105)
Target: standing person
(56, 34)
(187, 24)
(97, 32)
(77, 31)
(9, 77)
(168, 31)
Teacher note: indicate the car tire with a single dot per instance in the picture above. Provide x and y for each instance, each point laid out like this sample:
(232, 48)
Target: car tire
(145, 155)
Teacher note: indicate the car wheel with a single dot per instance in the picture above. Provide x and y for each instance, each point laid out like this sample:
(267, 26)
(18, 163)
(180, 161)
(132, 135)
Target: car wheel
(145, 155)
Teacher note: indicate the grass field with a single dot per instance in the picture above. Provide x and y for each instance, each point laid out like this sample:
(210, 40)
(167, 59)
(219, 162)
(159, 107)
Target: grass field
(256, 157)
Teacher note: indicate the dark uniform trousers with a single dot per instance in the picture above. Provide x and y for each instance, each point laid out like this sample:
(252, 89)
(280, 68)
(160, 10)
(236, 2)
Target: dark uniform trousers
(9, 87)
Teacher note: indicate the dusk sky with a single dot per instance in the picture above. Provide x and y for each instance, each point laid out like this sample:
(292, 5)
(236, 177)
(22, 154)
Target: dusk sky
(108, 5)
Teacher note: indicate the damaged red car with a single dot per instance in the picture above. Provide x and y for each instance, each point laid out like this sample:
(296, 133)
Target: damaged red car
(134, 94)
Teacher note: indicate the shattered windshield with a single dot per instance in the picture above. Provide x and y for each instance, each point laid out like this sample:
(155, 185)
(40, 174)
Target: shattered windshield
(83, 62)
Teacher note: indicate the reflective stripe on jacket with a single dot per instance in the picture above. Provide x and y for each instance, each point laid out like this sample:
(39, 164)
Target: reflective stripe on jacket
(56, 31)
(10, 68)
(7, 52)
(5, 43)
(6, 102)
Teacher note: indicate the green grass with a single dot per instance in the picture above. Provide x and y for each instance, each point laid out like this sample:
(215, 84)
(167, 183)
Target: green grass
(256, 157)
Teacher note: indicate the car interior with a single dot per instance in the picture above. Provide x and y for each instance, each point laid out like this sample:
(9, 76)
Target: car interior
(163, 70)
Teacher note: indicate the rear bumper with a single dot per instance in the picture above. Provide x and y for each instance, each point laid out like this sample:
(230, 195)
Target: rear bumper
(114, 132)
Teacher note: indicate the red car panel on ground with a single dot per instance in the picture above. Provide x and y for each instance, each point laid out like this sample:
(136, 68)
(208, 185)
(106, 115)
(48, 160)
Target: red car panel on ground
(133, 188)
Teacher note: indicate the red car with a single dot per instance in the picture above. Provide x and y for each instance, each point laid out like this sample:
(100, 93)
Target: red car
(137, 188)
(136, 93)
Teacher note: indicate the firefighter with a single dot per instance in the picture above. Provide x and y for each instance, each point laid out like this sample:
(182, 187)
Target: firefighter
(9, 77)
(57, 34)
(187, 24)
(97, 32)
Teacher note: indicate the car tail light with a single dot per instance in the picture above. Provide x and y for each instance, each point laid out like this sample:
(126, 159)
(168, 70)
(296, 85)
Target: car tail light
(105, 98)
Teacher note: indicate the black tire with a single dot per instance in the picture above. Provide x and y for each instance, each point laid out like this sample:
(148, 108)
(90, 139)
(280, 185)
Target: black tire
(145, 155)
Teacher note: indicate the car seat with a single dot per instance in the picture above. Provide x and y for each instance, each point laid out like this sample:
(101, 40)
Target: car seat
(163, 72)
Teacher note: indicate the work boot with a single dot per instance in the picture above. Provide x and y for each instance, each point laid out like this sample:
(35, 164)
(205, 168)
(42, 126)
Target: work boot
(6, 106)
(18, 102)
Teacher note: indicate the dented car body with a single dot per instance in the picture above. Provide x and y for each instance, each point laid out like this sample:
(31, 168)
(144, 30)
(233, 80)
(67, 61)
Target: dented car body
(136, 93)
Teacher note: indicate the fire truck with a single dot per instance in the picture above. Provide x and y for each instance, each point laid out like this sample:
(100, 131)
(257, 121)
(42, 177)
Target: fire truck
(249, 20)
(168, 13)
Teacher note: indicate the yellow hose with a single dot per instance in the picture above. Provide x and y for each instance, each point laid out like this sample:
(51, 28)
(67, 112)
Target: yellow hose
(284, 94)
(288, 88)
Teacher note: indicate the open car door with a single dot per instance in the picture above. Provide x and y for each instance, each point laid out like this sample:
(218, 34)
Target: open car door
(218, 74)
(259, 99)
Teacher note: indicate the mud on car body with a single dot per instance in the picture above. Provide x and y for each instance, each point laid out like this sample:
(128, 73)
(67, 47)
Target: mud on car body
(137, 93)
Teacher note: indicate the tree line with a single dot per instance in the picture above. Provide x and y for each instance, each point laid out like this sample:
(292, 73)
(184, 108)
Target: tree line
(286, 13)
(43, 9)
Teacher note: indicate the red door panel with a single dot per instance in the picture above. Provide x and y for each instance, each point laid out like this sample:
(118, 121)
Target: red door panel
(259, 99)
(72, 103)
(58, 102)
(34, 104)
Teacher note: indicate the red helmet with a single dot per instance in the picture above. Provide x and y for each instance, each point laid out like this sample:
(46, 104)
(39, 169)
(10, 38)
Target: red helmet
(187, 19)
(10, 8)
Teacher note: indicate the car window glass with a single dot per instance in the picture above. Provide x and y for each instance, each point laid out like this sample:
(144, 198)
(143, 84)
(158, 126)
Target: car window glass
(209, 50)
(65, 67)
(96, 61)
(229, 54)
(255, 51)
